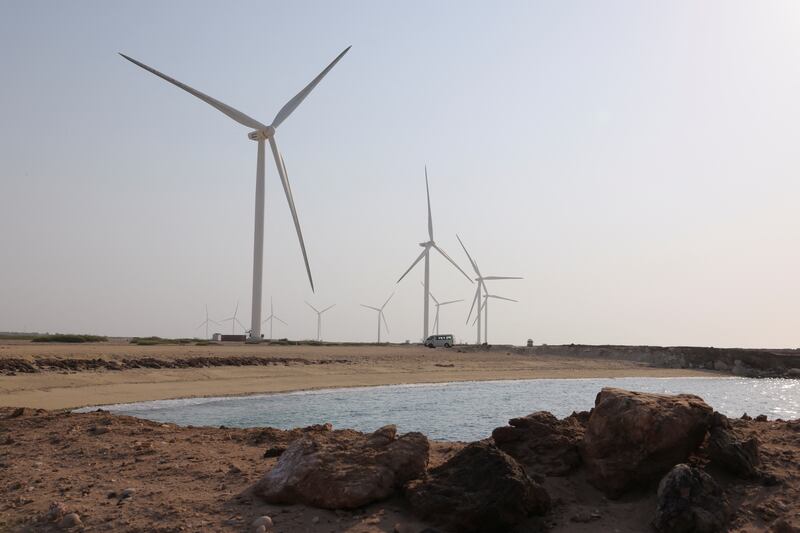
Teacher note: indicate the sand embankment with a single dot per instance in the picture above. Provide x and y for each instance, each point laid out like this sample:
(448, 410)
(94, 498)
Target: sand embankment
(59, 380)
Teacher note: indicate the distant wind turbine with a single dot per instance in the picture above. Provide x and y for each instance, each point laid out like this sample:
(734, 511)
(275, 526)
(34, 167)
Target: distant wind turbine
(272, 317)
(426, 254)
(481, 279)
(233, 320)
(319, 318)
(260, 134)
(485, 309)
(436, 316)
(206, 322)
(381, 316)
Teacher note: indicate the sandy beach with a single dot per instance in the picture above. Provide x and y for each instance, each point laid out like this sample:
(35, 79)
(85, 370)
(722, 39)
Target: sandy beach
(284, 368)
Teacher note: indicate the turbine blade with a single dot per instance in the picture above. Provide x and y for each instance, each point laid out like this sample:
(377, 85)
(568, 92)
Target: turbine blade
(451, 302)
(281, 321)
(329, 307)
(387, 301)
(500, 277)
(292, 104)
(213, 321)
(500, 298)
(200, 326)
(428, 192)
(370, 307)
(417, 260)
(385, 323)
(312, 307)
(477, 317)
(240, 324)
(288, 190)
(429, 292)
(235, 114)
(453, 262)
(474, 265)
(474, 299)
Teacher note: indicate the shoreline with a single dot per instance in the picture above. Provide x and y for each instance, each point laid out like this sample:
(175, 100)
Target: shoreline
(63, 376)
(324, 389)
(57, 391)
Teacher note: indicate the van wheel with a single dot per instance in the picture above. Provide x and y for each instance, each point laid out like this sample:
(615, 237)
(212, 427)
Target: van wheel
(447, 345)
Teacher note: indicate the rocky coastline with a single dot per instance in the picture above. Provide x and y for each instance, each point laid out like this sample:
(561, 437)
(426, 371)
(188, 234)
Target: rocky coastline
(635, 462)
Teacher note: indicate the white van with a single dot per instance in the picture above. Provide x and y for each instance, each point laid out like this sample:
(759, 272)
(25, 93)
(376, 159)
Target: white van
(439, 340)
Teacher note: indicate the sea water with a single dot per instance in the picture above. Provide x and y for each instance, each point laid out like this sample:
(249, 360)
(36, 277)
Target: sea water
(458, 411)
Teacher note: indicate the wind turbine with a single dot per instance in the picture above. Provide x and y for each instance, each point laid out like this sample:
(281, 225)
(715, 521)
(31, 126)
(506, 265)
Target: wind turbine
(319, 318)
(381, 316)
(272, 317)
(233, 320)
(426, 254)
(206, 322)
(481, 279)
(485, 308)
(436, 316)
(260, 134)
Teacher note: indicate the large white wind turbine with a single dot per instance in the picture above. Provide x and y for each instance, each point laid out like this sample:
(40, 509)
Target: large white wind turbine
(438, 304)
(233, 320)
(260, 134)
(319, 318)
(206, 322)
(426, 254)
(481, 279)
(271, 318)
(381, 316)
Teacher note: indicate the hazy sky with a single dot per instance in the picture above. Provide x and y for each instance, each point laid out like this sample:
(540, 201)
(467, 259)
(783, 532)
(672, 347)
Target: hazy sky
(637, 162)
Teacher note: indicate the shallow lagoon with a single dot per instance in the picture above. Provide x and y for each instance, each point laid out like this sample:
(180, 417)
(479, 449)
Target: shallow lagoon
(458, 411)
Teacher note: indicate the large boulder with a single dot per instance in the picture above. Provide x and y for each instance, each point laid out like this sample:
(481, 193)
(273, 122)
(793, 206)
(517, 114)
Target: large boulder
(345, 469)
(542, 443)
(481, 488)
(690, 501)
(634, 438)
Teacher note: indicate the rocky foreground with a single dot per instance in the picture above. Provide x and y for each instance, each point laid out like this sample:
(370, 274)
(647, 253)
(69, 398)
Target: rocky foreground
(636, 462)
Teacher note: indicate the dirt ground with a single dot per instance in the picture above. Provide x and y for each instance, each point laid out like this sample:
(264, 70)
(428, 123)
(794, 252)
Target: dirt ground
(124, 474)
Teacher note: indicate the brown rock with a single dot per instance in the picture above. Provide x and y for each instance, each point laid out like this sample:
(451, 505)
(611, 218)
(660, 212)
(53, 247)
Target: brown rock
(690, 501)
(633, 438)
(70, 520)
(345, 469)
(480, 489)
(542, 443)
(732, 453)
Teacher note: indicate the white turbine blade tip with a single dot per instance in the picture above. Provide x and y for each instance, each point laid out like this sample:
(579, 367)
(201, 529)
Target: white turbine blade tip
(292, 104)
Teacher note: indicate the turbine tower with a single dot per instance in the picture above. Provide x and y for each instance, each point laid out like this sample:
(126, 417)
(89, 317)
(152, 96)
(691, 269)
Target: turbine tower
(233, 320)
(319, 319)
(481, 279)
(206, 322)
(272, 317)
(426, 254)
(261, 134)
(436, 315)
(381, 316)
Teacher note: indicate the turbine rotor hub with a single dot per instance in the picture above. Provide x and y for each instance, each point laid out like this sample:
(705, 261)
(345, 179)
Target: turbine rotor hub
(261, 135)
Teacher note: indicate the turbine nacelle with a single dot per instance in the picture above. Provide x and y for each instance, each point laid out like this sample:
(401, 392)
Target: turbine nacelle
(261, 135)
(427, 244)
